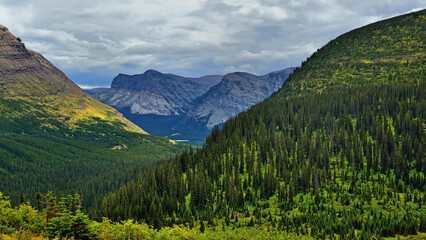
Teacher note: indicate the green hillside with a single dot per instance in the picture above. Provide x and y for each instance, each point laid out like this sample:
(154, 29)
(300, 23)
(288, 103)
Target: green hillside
(338, 152)
(389, 51)
(91, 164)
(54, 136)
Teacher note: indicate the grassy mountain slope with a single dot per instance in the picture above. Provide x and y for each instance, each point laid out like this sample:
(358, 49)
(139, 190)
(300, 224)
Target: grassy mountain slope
(54, 136)
(31, 85)
(389, 51)
(337, 152)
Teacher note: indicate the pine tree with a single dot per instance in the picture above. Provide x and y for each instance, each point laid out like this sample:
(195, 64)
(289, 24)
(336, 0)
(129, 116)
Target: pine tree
(202, 227)
(38, 198)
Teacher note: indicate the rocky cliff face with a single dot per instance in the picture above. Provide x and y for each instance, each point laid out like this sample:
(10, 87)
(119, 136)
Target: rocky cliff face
(235, 93)
(22, 71)
(155, 93)
(30, 81)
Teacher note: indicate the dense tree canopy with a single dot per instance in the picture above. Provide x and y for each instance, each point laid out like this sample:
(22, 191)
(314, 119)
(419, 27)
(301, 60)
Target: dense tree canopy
(338, 150)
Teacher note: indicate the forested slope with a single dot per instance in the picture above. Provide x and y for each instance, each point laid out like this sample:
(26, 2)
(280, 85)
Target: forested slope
(54, 136)
(389, 51)
(337, 152)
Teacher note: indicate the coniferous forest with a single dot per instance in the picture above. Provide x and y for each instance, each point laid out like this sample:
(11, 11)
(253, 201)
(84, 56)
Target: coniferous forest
(337, 153)
(354, 166)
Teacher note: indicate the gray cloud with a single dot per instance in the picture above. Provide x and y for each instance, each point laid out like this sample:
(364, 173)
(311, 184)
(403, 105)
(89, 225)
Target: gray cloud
(188, 37)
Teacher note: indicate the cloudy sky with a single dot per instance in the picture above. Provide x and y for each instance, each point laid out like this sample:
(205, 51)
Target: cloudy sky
(92, 41)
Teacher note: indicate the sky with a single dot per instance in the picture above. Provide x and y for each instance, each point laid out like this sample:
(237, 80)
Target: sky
(92, 41)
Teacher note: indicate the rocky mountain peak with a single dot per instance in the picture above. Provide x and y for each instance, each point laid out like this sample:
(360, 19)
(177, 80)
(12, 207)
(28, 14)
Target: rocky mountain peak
(153, 73)
(139, 82)
(11, 45)
(182, 107)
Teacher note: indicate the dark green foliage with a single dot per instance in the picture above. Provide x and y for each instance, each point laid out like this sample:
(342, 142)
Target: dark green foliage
(24, 222)
(327, 155)
(65, 219)
(300, 180)
(202, 227)
(35, 158)
(62, 218)
(389, 51)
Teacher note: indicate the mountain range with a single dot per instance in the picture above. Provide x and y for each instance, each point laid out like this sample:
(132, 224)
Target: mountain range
(235, 93)
(155, 93)
(184, 108)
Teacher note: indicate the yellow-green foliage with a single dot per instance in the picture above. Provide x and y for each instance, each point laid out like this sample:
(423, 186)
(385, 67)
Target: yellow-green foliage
(24, 222)
(24, 217)
(68, 110)
(131, 230)
(392, 50)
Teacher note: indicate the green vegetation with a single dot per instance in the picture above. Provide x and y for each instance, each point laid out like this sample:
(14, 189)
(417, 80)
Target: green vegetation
(63, 219)
(389, 51)
(320, 167)
(92, 158)
(338, 153)
(329, 156)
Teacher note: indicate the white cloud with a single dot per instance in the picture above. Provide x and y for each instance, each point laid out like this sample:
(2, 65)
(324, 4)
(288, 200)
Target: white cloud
(17, 16)
(414, 10)
(243, 68)
(189, 37)
(88, 87)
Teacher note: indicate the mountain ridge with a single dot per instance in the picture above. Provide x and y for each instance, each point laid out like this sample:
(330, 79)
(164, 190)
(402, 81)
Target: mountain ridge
(28, 76)
(187, 114)
(235, 93)
(352, 49)
(153, 92)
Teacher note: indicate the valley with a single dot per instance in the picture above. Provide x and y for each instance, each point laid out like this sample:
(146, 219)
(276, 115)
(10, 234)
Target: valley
(55, 137)
(336, 152)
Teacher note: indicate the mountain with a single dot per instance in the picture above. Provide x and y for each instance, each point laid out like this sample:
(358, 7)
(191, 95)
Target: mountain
(234, 94)
(337, 152)
(30, 80)
(377, 53)
(54, 136)
(155, 93)
(208, 81)
(185, 109)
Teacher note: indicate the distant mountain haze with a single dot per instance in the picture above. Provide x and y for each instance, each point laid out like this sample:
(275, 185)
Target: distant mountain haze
(96, 90)
(155, 93)
(235, 93)
(184, 108)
